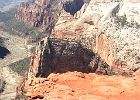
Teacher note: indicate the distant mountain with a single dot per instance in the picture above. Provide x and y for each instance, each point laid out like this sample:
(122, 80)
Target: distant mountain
(8, 2)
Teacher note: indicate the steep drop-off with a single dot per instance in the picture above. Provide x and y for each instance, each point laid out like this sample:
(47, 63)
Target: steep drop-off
(60, 56)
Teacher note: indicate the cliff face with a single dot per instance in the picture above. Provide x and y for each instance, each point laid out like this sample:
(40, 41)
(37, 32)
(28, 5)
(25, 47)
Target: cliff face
(60, 56)
(44, 13)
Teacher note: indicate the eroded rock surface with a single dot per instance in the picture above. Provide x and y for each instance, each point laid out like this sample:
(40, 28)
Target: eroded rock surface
(81, 86)
(60, 56)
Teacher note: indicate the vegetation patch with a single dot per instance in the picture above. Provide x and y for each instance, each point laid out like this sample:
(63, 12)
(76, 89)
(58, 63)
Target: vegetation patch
(122, 21)
(32, 50)
(21, 67)
(7, 15)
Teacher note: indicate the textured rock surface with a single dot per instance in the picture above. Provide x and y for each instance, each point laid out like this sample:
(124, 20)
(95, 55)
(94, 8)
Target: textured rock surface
(60, 56)
(81, 86)
(103, 26)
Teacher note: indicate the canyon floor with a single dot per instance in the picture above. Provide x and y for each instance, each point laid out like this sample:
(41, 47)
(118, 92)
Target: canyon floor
(81, 86)
(18, 51)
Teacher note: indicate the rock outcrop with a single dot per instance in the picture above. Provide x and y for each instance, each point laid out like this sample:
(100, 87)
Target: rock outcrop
(60, 56)
(99, 25)
(106, 28)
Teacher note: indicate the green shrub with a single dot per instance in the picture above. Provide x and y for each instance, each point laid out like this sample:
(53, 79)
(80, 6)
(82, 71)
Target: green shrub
(21, 66)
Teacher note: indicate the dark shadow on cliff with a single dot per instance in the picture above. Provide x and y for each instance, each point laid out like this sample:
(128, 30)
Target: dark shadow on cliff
(60, 56)
(73, 6)
(3, 52)
(2, 85)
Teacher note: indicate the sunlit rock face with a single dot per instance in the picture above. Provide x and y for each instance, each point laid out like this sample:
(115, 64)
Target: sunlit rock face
(45, 13)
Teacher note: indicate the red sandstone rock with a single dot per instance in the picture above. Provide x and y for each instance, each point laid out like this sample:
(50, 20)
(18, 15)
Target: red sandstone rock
(69, 86)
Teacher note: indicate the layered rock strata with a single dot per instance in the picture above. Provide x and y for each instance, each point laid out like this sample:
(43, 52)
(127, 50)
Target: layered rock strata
(105, 29)
(60, 56)
(44, 13)
(99, 25)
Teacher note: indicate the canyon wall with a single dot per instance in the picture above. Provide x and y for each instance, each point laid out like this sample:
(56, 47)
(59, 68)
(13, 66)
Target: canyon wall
(45, 13)
(102, 26)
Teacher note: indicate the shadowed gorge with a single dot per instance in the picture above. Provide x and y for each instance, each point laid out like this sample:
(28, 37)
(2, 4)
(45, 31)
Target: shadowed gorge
(3, 52)
(73, 6)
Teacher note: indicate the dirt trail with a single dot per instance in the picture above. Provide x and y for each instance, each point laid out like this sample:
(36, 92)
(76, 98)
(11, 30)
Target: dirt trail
(18, 50)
